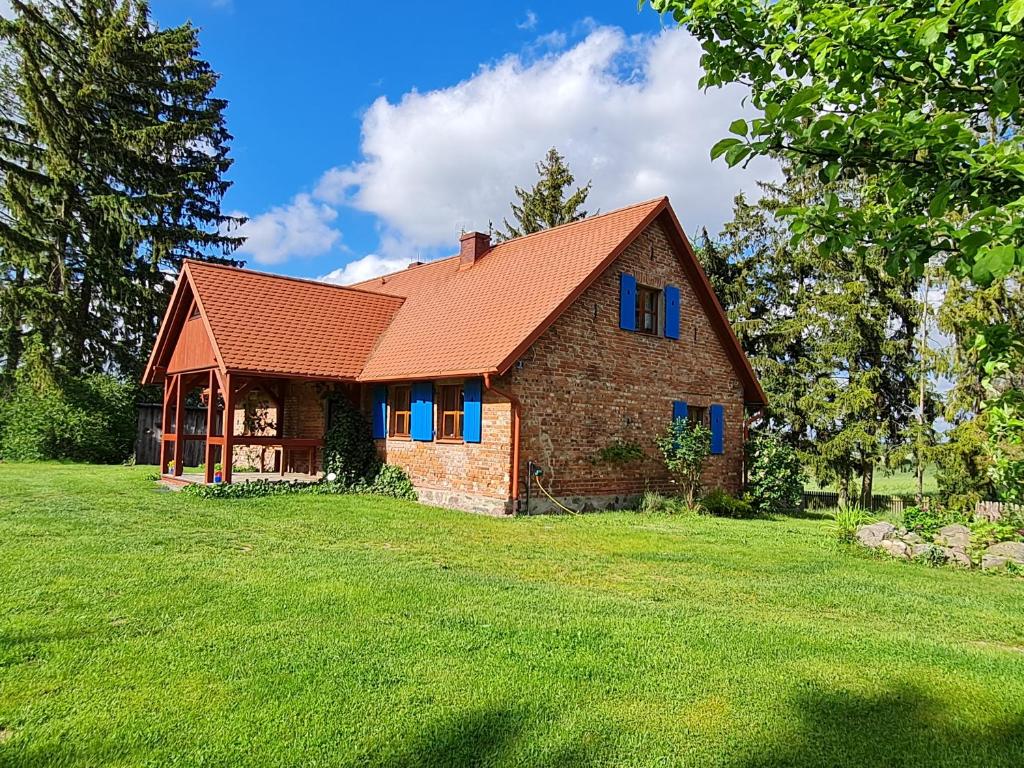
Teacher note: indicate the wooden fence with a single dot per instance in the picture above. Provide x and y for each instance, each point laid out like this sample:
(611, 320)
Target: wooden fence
(895, 504)
(148, 435)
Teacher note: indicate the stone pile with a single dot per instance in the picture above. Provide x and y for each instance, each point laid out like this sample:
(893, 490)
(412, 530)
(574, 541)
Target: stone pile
(950, 544)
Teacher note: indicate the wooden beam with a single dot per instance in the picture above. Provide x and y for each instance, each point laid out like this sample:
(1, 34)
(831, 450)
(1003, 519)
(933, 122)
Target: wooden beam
(211, 415)
(227, 452)
(179, 426)
(165, 421)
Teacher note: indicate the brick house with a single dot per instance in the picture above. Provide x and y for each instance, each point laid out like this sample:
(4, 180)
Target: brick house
(547, 348)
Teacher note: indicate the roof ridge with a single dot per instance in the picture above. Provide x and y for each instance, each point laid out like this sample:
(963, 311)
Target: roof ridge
(386, 275)
(584, 220)
(307, 280)
(514, 239)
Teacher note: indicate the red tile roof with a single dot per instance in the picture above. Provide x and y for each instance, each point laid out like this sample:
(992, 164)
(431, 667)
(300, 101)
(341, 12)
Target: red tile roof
(429, 321)
(478, 320)
(270, 324)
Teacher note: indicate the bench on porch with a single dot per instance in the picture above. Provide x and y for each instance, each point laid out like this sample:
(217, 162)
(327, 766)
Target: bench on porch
(288, 447)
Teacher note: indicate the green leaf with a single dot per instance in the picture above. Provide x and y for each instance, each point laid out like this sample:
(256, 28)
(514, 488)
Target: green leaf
(739, 127)
(1015, 12)
(932, 29)
(940, 203)
(972, 242)
(993, 263)
(722, 146)
(734, 154)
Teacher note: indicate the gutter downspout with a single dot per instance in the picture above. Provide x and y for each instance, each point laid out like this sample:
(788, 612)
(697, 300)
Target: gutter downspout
(517, 409)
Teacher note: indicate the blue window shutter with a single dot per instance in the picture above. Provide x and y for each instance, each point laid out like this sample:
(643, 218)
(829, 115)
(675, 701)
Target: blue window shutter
(716, 414)
(627, 302)
(679, 410)
(472, 411)
(380, 411)
(671, 312)
(422, 416)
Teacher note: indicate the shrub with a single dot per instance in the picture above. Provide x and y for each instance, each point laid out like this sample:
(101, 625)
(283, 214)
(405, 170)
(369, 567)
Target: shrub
(653, 502)
(685, 447)
(985, 533)
(926, 521)
(848, 520)
(390, 481)
(933, 556)
(90, 418)
(721, 504)
(775, 482)
(349, 451)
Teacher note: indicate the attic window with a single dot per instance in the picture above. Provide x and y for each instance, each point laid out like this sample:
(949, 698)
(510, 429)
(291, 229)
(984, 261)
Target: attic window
(698, 414)
(647, 301)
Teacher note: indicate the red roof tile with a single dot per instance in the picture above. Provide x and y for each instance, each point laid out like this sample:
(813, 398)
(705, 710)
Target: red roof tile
(477, 320)
(429, 321)
(270, 324)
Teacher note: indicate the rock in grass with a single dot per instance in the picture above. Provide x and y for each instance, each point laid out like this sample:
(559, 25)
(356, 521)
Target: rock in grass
(921, 549)
(956, 556)
(998, 555)
(873, 535)
(896, 548)
(954, 535)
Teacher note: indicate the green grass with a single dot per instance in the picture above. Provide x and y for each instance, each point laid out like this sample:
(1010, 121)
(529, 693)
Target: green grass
(140, 627)
(902, 482)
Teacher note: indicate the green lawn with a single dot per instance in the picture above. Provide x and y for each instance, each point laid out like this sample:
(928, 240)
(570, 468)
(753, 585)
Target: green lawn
(141, 627)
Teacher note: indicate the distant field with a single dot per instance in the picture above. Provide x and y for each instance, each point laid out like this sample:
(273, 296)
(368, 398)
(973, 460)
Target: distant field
(894, 483)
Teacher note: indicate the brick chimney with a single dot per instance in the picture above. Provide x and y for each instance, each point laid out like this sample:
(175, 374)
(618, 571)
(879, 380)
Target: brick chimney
(472, 245)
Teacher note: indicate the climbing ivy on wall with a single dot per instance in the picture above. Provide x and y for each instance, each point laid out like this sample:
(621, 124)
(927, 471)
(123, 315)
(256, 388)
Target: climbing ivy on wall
(349, 451)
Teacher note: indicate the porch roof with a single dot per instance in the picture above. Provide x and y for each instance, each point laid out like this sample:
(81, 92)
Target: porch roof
(268, 324)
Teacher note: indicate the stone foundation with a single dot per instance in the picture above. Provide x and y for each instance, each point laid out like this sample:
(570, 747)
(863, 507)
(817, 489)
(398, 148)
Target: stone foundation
(542, 505)
(468, 502)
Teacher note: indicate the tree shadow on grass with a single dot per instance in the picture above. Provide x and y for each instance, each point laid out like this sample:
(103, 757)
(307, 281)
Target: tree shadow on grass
(483, 737)
(902, 727)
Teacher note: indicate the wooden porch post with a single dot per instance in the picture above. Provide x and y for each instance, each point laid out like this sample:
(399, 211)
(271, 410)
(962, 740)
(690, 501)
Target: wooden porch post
(179, 427)
(227, 452)
(165, 420)
(211, 420)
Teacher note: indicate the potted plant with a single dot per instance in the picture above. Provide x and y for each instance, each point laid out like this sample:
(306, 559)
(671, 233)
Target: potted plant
(170, 467)
(217, 476)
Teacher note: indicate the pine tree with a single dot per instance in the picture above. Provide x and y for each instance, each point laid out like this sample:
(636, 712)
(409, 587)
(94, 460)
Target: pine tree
(112, 152)
(546, 204)
(832, 341)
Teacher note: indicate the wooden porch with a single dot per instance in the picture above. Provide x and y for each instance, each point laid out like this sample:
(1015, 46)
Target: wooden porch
(222, 392)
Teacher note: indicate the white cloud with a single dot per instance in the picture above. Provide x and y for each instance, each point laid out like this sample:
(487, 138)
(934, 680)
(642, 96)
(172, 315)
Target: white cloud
(529, 22)
(300, 229)
(625, 111)
(364, 269)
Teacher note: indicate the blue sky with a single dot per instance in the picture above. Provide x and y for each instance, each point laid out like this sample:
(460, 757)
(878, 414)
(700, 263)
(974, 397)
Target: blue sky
(367, 135)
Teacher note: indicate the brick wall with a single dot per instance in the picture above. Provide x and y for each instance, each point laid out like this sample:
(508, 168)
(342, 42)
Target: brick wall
(304, 416)
(586, 382)
(472, 476)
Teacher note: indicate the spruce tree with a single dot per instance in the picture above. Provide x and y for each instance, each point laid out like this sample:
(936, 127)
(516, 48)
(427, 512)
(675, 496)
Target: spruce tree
(832, 340)
(113, 151)
(545, 205)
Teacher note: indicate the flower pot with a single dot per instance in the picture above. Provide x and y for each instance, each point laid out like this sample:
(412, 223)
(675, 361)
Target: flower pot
(217, 477)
